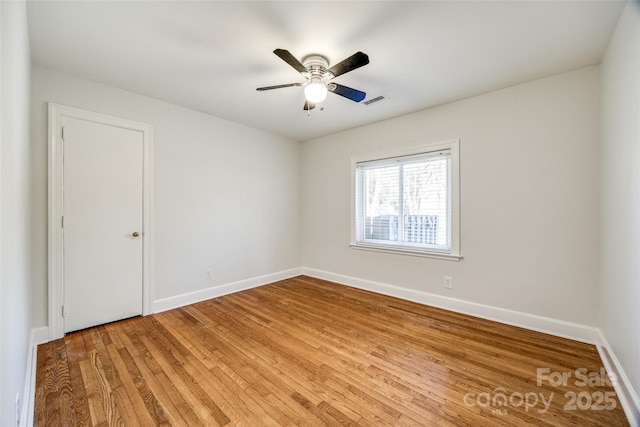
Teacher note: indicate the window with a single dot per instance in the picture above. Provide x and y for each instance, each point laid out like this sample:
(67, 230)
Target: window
(408, 202)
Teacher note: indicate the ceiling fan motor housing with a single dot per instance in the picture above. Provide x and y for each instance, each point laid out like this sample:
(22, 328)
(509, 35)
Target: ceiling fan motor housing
(317, 66)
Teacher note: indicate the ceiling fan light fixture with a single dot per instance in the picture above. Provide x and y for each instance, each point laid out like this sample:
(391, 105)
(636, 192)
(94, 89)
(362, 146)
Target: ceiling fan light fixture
(316, 90)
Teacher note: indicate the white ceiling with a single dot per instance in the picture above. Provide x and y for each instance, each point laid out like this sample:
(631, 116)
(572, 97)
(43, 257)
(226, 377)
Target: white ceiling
(211, 55)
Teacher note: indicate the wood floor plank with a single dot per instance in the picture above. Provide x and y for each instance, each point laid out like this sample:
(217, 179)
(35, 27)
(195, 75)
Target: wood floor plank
(173, 415)
(370, 399)
(76, 351)
(129, 389)
(50, 384)
(40, 403)
(102, 343)
(64, 391)
(103, 379)
(149, 401)
(212, 414)
(360, 356)
(321, 358)
(281, 359)
(304, 351)
(236, 365)
(94, 401)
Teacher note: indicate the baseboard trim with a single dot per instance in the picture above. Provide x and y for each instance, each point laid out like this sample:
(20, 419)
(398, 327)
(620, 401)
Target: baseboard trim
(624, 389)
(38, 336)
(561, 328)
(220, 290)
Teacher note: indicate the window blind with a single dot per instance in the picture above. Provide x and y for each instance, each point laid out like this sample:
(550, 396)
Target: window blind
(405, 201)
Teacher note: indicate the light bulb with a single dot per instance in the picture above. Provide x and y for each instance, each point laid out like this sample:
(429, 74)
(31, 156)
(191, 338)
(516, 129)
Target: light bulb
(316, 90)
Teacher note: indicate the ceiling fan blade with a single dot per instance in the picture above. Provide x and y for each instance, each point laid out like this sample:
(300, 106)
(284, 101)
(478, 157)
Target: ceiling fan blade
(308, 105)
(350, 93)
(279, 86)
(356, 60)
(287, 57)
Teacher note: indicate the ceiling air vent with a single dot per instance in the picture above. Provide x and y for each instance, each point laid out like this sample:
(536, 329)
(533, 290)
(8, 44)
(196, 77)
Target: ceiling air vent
(371, 101)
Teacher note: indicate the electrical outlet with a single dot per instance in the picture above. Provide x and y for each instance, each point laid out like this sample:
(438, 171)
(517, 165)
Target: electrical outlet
(18, 410)
(208, 274)
(448, 282)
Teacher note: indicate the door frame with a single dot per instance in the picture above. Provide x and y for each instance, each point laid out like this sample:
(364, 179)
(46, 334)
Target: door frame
(55, 203)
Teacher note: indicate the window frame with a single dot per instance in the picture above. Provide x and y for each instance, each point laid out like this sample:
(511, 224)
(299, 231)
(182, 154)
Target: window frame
(454, 253)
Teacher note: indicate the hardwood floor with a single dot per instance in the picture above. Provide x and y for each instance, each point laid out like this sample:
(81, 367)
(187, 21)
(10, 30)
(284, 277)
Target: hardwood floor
(309, 352)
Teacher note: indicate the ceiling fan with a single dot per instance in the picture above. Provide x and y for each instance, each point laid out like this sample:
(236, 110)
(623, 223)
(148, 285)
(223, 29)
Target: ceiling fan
(315, 68)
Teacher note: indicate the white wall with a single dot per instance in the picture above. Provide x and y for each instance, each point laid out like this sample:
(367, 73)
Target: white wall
(529, 198)
(15, 304)
(620, 189)
(226, 195)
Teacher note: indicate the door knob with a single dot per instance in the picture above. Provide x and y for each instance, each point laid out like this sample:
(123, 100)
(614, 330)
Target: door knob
(135, 234)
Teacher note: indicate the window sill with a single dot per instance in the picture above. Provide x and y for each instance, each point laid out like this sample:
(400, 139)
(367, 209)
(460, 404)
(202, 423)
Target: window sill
(405, 251)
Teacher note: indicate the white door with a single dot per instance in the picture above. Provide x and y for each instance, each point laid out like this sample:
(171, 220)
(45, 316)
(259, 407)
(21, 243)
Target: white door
(102, 224)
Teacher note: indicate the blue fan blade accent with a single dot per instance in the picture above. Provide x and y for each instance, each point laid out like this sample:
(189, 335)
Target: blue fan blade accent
(347, 92)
